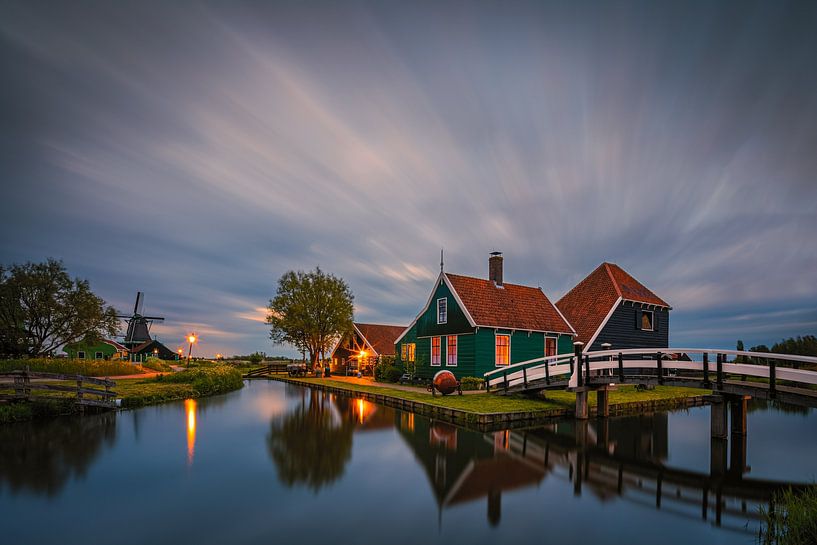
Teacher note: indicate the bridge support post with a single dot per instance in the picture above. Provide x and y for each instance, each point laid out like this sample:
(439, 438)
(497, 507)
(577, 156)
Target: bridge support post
(576, 365)
(718, 410)
(603, 403)
(581, 403)
(738, 407)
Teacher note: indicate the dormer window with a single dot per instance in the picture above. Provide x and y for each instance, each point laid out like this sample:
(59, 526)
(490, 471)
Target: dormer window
(442, 310)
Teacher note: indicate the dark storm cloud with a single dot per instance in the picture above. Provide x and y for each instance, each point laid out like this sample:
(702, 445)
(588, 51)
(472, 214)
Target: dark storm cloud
(197, 151)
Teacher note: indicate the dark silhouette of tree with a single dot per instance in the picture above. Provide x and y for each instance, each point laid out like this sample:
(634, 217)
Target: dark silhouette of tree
(40, 457)
(310, 446)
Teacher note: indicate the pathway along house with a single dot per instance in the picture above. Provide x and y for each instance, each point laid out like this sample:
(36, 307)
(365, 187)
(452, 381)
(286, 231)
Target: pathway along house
(364, 347)
(610, 306)
(470, 326)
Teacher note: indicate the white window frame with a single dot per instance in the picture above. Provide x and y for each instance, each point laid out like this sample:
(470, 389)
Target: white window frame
(80, 354)
(496, 337)
(652, 320)
(448, 361)
(99, 356)
(555, 344)
(444, 319)
(439, 351)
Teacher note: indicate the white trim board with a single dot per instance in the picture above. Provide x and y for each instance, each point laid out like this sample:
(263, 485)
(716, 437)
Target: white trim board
(603, 323)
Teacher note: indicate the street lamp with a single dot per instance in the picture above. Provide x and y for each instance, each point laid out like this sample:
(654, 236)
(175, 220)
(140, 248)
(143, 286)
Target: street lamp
(190, 339)
(181, 353)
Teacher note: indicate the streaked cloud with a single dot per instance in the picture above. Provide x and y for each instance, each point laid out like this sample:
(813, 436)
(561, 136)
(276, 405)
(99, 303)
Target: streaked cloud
(197, 152)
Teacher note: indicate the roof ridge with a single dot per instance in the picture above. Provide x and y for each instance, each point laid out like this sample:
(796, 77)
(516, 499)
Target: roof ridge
(489, 281)
(612, 278)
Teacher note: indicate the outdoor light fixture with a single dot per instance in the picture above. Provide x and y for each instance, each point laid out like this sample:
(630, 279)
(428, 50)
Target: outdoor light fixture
(190, 339)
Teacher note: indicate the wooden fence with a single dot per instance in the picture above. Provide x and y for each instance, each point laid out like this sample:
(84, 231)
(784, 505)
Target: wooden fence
(24, 382)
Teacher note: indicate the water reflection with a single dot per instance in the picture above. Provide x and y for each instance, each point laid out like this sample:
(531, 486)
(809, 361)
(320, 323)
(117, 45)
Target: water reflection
(41, 457)
(311, 444)
(620, 458)
(190, 410)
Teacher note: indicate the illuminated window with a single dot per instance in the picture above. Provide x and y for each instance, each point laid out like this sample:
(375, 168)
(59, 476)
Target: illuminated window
(503, 349)
(410, 352)
(403, 351)
(646, 320)
(451, 351)
(442, 310)
(550, 346)
(435, 350)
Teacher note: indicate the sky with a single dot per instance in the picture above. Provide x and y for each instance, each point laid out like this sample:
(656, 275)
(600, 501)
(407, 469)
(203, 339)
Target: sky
(197, 151)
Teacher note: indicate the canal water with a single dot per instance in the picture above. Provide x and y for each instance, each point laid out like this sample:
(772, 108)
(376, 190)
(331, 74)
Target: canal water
(276, 463)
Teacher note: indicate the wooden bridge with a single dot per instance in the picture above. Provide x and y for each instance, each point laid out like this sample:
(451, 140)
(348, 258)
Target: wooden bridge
(757, 374)
(266, 370)
(21, 383)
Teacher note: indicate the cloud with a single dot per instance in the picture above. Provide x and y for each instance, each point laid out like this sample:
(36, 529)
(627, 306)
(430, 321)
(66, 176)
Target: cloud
(197, 162)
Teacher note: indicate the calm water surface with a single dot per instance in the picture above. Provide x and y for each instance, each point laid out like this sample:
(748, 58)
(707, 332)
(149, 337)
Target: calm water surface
(275, 463)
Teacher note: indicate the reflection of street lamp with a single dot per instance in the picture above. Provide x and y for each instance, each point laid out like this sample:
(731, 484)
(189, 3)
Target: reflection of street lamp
(181, 353)
(191, 339)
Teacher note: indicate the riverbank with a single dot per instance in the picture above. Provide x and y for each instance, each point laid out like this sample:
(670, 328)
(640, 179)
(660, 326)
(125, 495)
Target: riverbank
(487, 412)
(139, 392)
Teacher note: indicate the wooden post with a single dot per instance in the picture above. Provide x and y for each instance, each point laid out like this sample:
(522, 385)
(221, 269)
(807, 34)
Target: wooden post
(577, 357)
(772, 379)
(587, 369)
(603, 403)
(581, 404)
(659, 358)
(620, 367)
(505, 376)
(79, 394)
(547, 372)
(525, 377)
(706, 369)
(720, 371)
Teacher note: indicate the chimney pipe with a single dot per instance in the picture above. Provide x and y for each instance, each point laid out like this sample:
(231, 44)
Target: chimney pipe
(495, 268)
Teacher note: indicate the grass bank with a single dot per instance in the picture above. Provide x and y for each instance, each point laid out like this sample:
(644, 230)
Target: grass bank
(138, 392)
(488, 410)
(89, 368)
(794, 519)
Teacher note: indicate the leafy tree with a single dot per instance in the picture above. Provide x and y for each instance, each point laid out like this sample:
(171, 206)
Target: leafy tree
(42, 308)
(310, 310)
(739, 347)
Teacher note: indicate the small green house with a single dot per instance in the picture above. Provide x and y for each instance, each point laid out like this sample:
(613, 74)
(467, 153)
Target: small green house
(103, 349)
(470, 326)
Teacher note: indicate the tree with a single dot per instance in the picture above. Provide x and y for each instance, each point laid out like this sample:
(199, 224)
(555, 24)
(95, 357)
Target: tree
(42, 308)
(310, 310)
(739, 348)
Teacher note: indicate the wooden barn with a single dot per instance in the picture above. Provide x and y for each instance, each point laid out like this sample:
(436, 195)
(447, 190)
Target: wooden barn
(364, 347)
(473, 325)
(610, 306)
(152, 349)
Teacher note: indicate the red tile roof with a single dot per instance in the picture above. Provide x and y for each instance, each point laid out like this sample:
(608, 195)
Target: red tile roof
(510, 306)
(381, 337)
(590, 301)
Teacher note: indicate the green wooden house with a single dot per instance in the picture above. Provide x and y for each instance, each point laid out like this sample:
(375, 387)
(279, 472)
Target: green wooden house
(470, 326)
(103, 349)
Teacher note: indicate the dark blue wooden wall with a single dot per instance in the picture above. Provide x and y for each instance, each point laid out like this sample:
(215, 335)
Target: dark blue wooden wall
(621, 331)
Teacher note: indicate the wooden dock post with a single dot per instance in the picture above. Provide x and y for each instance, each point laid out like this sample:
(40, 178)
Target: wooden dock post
(581, 403)
(603, 403)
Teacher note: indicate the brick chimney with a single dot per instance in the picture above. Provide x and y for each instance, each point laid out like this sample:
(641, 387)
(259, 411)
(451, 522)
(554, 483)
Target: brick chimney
(495, 268)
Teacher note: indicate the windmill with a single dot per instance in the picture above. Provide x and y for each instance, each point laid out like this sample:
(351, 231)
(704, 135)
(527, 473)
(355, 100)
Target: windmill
(138, 325)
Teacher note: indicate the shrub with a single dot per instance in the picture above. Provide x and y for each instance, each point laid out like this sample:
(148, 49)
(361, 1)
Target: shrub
(155, 364)
(90, 368)
(207, 380)
(793, 521)
(472, 383)
(392, 373)
(256, 358)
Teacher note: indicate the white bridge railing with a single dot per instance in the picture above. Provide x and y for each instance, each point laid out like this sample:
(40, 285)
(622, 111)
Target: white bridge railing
(713, 364)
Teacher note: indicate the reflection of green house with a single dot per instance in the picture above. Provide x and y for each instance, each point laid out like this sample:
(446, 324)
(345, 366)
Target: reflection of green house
(104, 349)
(470, 326)
(464, 466)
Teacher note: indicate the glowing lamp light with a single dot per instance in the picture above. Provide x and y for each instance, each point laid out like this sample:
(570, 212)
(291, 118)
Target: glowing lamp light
(191, 338)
